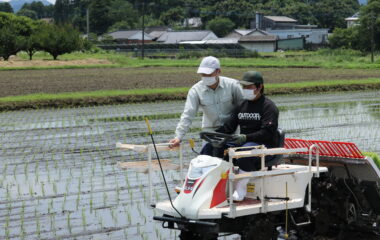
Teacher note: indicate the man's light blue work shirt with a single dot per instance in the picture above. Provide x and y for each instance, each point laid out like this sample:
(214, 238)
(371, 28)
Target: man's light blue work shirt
(217, 105)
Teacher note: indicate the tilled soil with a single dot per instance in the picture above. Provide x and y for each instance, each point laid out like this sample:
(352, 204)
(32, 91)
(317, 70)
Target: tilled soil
(21, 82)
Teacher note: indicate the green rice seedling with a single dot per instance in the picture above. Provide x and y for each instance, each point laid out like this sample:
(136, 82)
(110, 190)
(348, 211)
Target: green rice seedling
(78, 200)
(113, 214)
(50, 208)
(104, 198)
(84, 224)
(26, 170)
(38, 227)
(64, 201)
(14, 172)
(43, 189)
(55, 188)
(18, 190)
(31, 192)
(127, 180)
(68, 222)
(91, 203)
(6, 227)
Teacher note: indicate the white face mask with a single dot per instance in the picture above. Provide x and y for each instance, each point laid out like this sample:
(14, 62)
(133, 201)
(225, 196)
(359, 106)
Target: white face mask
(249, 94)
(208, 81)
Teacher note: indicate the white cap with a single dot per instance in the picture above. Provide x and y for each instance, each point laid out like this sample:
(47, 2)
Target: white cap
(208, 65)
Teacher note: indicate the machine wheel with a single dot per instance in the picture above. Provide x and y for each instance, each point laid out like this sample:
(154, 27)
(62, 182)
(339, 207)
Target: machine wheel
(260, 229)
(186, 235)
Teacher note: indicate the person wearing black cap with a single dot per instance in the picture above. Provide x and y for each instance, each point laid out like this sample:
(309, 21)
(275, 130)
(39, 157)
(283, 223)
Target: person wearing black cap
(257, 117)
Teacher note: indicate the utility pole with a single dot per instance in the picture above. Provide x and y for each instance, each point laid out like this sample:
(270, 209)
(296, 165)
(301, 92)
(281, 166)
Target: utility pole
(372, 38)
(143, 29)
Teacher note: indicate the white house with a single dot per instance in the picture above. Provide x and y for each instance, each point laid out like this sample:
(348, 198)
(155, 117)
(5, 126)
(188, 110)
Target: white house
(353, 20)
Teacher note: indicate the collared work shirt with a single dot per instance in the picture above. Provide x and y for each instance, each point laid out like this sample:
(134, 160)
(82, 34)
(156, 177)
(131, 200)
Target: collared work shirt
(217, 105)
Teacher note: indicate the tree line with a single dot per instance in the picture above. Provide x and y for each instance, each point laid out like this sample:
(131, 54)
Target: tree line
(365, 35)
(108, 15)
(34, 10)
(19, 33)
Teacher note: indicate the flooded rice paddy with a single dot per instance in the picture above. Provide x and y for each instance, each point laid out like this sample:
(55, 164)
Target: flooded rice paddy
(59, 177)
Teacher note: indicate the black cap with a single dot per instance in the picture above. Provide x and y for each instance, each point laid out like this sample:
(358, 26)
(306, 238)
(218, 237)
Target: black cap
(252, 77)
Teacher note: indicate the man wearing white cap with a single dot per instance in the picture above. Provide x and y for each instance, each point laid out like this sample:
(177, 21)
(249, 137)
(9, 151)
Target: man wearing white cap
(214, 94)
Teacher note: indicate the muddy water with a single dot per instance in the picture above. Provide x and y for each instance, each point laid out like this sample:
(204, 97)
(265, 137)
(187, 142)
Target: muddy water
(58, 168)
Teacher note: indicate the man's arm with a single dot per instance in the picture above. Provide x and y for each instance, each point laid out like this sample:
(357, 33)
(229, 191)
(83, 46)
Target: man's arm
(268, 127)
(189, 112)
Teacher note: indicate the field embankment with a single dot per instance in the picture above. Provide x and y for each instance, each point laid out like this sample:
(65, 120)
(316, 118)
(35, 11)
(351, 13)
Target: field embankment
(165, 94)
(107, 78)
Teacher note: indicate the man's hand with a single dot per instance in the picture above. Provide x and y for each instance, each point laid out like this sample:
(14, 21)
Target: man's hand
(240, 139)
(174, 142)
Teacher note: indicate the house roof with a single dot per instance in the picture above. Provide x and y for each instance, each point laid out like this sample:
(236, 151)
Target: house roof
(258, 38)
(181, 36)
(354, 17)
(257, 30)
(243, 32)
(281, 19)
(214, 41)
(131, 34)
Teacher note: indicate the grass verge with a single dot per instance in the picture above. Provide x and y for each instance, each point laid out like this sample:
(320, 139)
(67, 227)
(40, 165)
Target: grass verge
(164, 94)
(374, 156)
(325, 58)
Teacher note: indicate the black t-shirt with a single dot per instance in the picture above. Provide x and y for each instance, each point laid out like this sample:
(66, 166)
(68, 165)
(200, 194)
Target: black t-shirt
(258, 120)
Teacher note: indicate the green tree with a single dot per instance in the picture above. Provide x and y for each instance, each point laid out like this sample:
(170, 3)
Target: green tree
(27, 13)
(172, 16)
(331, 13)
(10, 42)
(123, 15)
(6, 7)
(40, 9)
(347, 38)
(32, 43)
(62, 11)
(239, 12)
(370, 24)
(220, 26)
(100, 19)
(13, 31)
(59, 39)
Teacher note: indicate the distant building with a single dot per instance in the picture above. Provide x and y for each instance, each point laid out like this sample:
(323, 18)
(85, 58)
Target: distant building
(128, 37)
(272, 22)
(353, 20)
(194, 22)
(238, 33)
(47, 20)
(183, 36)
(287, 28)
(313, 36)
(259, 43)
